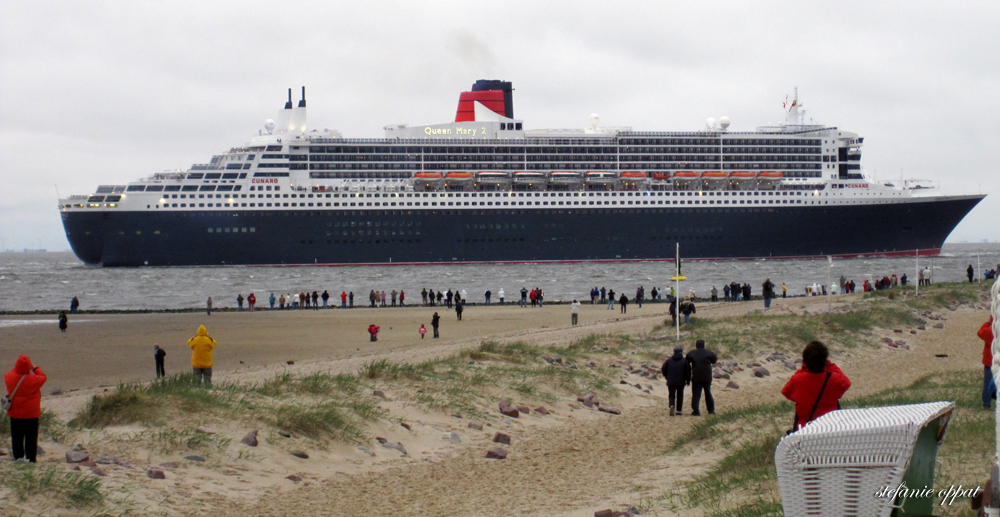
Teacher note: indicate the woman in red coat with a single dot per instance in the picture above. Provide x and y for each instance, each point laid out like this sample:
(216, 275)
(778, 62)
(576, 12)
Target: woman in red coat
(805, 385)
(986, 334)
(25, 407)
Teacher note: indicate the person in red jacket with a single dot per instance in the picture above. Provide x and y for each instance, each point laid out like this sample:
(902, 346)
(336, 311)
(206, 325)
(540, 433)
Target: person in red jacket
(373, 331)
(805, 385)
(986, 334)
(251, 300)
(25, 407)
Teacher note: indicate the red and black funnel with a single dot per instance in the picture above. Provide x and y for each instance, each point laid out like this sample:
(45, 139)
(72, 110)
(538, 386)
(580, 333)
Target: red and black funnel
(494, 94)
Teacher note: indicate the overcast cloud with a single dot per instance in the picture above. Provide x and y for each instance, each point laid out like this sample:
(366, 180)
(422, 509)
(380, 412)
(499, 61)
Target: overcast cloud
(108, 92)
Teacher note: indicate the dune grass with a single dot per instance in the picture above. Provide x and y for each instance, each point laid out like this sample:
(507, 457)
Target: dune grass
(24, 480)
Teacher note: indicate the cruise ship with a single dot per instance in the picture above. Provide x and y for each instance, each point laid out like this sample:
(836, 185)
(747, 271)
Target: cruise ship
(487, 189)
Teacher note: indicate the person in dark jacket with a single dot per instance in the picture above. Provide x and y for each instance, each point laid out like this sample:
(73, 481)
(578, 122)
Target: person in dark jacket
(701, 360)
(623, 303)
(677, 371)
(158, 355)
(459, 307)
(24, 383)
(806, 385)
(687, 309)
(673, 312)
(74, 305)
(768, 293)
(63, 321)
(971, 273)
(435, 321)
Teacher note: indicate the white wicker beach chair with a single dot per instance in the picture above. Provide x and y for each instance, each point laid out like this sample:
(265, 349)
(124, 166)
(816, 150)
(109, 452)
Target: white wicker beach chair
(835, 465)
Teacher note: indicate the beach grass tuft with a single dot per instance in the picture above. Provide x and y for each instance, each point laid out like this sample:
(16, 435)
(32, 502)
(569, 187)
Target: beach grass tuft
(24, 480)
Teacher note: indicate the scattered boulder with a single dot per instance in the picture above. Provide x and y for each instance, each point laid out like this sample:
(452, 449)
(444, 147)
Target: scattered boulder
(913, 332)
(898, 331)
(921, 327)
(733, 385)
(108, 460)
(293, 478)
(195, 458)
(541, 410)
(501, 438)
(398, 446)
(718, 374)
(887, 340)
(289, 362)
(623, 381)
(790, 365)
(523, 409)
(497, 453)
(379, 393)
(760, 371)
(455, 437)
(478, 426)
(204, 429)
(77, 456)
(300, 454)
(506, 410)
(250, 439)
(609, 409)
(893, 345)
(776, 357)
(156, 473)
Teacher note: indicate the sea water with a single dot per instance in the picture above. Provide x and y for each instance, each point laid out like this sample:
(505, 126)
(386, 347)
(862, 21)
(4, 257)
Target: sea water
(47, 281)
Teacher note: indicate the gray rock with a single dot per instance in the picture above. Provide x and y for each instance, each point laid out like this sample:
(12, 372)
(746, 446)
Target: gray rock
(366, 450)
(497, 453)
(939, 325)
(108, 460)
(398, 446)
(790, 365)
(194, 458)
(169, 465)
(501, 438)
(293, 478)
(760, 371)
(250, 439)
(156, 473)
(455, 437)
(77, 456)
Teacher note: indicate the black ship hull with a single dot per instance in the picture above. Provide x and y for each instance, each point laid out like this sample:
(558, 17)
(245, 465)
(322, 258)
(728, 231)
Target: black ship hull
(333, 237)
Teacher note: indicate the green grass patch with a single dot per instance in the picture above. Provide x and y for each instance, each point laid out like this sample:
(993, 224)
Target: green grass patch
(25, 480)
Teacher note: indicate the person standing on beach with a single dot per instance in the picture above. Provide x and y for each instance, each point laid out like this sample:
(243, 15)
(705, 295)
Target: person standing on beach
(816, 388)
(350, 299)
(24, 385)
(422, 331)
(158, 355)
(435, 321)
(500, 295)
(784, 290)
(74, 305)
(343, 299)
(715, 294)
(574, 310)
(315, 299)
(63, 321)
(251, 301)
(402, 297)
(487, 294)
(271, 300)
(383, 298)
(971, 273)
(623, 302)
(768, 293)
(393, 296)
(701, 360)
(423, 297)
(604, 295)
(687, 309)
(208, 306)
(677, 371)
(725, 292)
(459, 307)
(611, 299)
(239, 301)
(524, 297)
(989, 387)
(326, 298)
(281, 301)
(201, 355)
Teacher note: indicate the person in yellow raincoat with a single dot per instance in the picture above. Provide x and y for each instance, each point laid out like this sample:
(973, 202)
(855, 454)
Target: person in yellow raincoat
(201, 355)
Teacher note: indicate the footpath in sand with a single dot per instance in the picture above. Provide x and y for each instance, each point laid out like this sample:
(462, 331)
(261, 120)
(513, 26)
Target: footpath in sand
(570, 463)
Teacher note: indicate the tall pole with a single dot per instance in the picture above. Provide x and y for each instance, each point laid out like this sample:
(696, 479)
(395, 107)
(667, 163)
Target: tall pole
(829, 284)
(677, 292)
(917, 271)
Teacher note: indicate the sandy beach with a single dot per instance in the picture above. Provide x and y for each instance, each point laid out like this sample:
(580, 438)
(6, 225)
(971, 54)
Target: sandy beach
(573, 462)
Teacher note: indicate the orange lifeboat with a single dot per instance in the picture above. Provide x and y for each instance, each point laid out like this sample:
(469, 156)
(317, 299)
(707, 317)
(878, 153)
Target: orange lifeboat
(458, 175)
(771, 175)
(661, 176)
(428, 175)
(715, 174)
(687, 174)
(743, 174)
(634, 175)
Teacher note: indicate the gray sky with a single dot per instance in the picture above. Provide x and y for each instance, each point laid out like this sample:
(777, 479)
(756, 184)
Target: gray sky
(108, 92)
